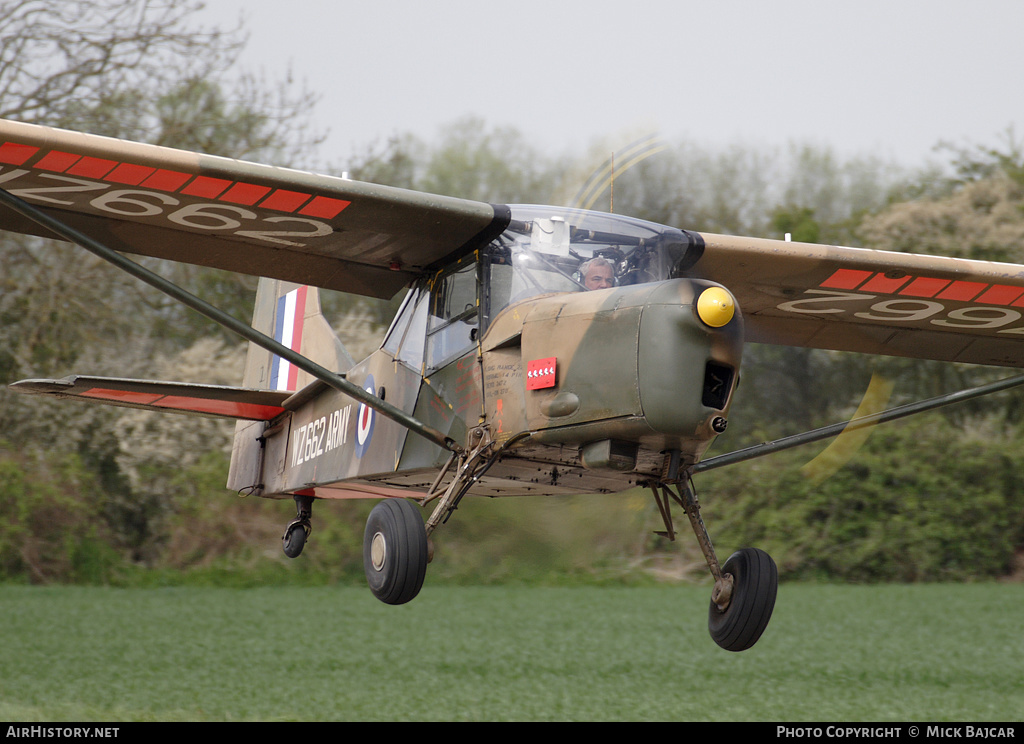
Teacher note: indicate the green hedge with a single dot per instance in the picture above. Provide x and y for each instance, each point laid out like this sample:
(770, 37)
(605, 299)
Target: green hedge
(919, 501)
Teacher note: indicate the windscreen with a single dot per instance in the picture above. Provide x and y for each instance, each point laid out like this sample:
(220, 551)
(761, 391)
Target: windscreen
(547, 250)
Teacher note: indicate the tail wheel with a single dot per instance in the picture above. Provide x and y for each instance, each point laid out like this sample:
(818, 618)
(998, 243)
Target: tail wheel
(294, 540)
(755, 584)
(395, 551)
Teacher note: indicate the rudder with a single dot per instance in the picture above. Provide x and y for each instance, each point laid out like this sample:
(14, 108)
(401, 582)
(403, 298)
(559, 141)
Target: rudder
(291, 314)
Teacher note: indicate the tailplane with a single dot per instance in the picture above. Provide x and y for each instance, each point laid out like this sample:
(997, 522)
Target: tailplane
(218, 401)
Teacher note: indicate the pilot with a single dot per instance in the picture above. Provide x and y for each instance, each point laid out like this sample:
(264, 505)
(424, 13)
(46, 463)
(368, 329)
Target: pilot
(598, 273)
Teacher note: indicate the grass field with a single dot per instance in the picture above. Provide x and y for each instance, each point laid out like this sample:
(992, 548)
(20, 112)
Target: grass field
(831, 653)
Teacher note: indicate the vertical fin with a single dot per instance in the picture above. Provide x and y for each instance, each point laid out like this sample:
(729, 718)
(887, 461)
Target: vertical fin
(291, 314)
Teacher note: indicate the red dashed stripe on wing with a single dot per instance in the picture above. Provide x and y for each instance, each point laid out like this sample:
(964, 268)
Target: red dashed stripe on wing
(205, 187)
(926, 287)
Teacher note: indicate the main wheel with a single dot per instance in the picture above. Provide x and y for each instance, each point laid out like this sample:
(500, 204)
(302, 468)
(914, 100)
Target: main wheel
(755, 584)
(395, 551)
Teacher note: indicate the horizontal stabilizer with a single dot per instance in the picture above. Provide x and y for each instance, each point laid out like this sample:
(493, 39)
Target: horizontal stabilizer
(218, 401)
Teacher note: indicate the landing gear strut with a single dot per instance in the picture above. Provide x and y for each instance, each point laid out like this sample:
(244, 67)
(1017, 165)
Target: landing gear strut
(745, 587)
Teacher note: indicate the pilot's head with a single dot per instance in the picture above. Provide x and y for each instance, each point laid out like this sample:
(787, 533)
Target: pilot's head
(598, 273)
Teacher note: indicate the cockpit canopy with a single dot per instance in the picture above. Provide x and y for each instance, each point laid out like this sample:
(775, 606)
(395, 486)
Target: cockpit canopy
(544, 250)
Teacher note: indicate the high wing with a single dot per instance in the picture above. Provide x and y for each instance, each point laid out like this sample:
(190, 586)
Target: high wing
(255, 219)
(218, 401)
(875, 302)
(372, 240)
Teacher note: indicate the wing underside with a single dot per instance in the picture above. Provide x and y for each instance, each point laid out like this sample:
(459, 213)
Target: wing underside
(261, 220)
(874, 302)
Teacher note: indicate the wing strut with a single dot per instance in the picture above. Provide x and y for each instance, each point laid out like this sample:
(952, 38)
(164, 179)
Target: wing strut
(825, 432)
(334, 380)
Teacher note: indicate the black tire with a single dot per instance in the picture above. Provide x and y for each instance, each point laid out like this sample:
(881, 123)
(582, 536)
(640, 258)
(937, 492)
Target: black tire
(755, 585)
(294, 541)
(395, 551)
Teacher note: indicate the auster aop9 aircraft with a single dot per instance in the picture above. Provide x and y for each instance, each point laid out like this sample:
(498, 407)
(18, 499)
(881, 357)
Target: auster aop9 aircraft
(501, 374)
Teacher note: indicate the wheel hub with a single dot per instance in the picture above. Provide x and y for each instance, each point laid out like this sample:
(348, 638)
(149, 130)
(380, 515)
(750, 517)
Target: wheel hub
(378, 551)
(721, 595)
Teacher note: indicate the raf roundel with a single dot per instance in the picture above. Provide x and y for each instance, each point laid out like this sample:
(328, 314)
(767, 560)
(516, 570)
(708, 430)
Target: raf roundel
(364, 422)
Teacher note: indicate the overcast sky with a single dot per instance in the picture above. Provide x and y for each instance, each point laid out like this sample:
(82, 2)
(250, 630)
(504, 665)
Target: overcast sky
(890, 77)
